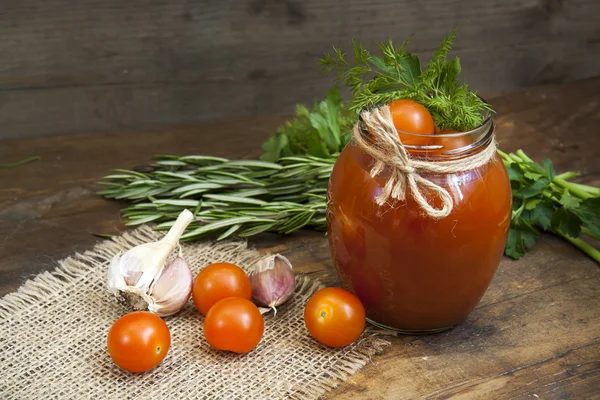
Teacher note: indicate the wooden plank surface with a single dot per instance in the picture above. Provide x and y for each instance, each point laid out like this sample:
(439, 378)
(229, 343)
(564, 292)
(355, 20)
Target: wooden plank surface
(535, 334)
(93, 65)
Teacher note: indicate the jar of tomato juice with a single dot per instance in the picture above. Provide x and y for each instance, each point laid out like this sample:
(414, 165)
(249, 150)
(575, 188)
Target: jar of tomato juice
(414, 273)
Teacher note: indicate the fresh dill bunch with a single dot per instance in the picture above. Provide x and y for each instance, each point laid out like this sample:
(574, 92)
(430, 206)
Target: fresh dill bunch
(321, 131)
(397, 74)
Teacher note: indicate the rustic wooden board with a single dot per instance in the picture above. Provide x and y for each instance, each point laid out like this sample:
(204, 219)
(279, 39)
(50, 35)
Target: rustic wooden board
(91, 65)
(536, 333)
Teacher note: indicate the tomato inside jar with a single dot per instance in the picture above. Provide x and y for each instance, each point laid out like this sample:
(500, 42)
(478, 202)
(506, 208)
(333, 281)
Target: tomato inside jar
(412, 272)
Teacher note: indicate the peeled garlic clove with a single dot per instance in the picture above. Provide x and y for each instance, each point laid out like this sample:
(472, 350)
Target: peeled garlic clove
(273, 281)
(172, 289)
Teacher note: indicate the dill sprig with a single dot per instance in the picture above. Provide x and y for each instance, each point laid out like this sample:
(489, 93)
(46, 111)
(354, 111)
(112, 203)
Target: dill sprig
(397, 74)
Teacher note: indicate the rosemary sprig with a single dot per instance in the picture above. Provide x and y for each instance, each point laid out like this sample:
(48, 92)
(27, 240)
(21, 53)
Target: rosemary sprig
(242, 197)
(397, 74)
(19, 163)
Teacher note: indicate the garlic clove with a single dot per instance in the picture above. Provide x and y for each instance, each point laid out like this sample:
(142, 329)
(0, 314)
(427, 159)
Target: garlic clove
(135, 273)
(172, 289)
(273, 281)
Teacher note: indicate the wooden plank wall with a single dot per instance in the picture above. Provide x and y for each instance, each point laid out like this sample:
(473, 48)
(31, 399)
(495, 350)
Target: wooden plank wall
(95, 65)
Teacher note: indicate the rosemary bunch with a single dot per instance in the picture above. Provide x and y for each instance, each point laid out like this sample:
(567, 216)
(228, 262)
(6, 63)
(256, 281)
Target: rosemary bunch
(243, 197)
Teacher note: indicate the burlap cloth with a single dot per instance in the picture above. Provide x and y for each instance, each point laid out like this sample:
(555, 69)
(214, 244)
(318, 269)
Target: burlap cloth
(53, 340)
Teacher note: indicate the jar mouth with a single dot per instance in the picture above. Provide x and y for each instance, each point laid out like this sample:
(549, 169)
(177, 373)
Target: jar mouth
(479, 137)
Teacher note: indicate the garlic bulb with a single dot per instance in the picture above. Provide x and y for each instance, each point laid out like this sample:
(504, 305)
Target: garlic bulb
(273, 281)
(143, 279)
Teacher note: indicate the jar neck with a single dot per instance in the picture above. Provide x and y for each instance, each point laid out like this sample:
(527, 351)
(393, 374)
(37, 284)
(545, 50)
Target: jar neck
(450, 146)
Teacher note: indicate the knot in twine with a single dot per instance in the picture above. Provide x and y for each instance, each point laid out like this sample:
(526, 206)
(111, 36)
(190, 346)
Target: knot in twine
(388, 150)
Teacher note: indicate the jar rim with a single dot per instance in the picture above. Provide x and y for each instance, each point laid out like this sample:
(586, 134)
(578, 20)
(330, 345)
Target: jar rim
(483, 134)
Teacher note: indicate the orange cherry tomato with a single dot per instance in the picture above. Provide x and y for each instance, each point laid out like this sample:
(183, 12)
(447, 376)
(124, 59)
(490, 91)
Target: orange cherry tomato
(219, 281)
(449, 142)
(234, 324)
(138, 341)
(410, 116)
(335, 317)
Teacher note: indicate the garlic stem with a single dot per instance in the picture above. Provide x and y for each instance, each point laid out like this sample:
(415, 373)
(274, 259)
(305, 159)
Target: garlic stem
(183, 220)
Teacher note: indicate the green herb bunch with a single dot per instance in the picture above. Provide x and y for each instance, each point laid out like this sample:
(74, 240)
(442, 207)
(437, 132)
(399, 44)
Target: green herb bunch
(397, 74)
(542, 199)
(319, 132)
(243, 197)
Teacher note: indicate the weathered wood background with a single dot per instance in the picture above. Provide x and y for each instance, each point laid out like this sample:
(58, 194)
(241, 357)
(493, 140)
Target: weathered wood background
(102, 65)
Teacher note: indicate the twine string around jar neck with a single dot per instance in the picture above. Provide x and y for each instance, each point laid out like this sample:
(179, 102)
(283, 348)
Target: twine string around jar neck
(388, 151)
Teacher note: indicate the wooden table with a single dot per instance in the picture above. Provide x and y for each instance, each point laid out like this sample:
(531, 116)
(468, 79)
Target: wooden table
(536, 333)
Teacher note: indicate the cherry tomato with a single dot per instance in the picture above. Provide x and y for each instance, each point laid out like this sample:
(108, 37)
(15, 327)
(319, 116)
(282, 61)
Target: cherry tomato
(234, 324)
(410, 116)
(219, 281)
(138, 341)
(450, 142)
(335, 317)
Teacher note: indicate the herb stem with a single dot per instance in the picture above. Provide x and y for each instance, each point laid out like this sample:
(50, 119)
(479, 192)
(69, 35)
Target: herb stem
(586, 231)
(567, 175)
(524, 156)
(593, 191)
(581, 245)
(582, 194)
(19, 163)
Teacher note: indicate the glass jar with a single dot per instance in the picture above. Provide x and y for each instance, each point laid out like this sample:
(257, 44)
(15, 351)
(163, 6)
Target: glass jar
(413, 273)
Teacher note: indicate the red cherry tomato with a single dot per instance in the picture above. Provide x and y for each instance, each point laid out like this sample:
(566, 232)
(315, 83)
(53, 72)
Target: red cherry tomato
(219, 281)
(411, 117)
(138, 341)
(449, 142)
(234, 324)
(335, 317)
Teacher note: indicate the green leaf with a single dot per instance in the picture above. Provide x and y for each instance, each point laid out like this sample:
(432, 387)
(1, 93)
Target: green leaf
(567, 222)
(542, 214)
(257, 229)
(220, 224)
(589, 212)
(545, 170)
(532, 204)
(547, 165)
(411, 70)
(381, 65)
(196, 186)
(533, 189)
(515, 173)
(521, 237)
(229, 231)
(140, 221)
(532, 175)
(319, 122)
(255, 164)
(19, 163)
(235, 199)
(569, 202)
(178, 203)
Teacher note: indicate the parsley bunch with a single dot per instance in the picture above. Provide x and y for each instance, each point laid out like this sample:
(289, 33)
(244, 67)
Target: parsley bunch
(542, 199)
(397, 74)
(319, 132)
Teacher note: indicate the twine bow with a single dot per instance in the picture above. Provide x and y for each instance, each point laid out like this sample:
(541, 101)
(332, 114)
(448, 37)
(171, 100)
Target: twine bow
(388, 150)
